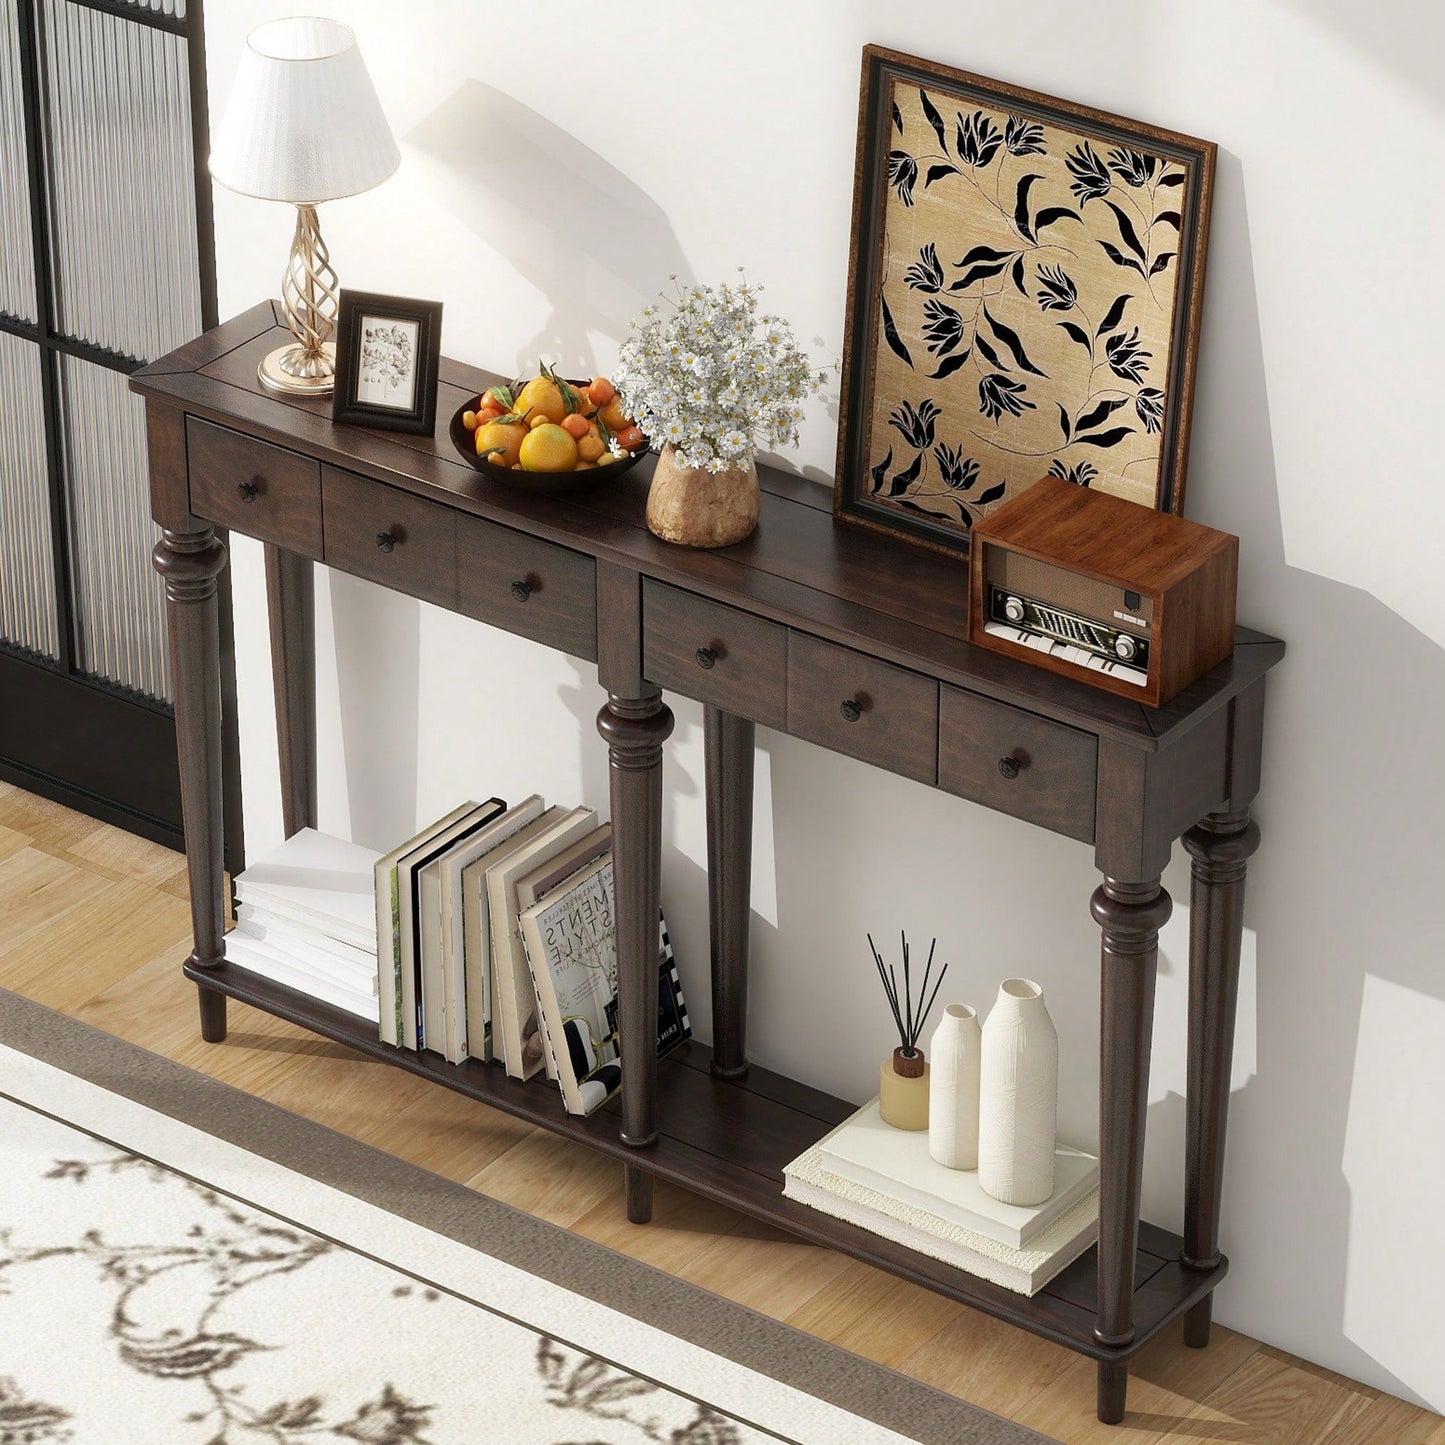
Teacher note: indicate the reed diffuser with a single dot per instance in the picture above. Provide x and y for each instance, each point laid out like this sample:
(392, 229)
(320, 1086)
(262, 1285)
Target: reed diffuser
(903, 1079)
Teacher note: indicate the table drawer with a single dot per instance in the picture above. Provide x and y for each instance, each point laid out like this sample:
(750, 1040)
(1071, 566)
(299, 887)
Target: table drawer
(259, 489)
(857, 705)
(1018, 763)
(403, 542)
(535, 588)
(715, 654)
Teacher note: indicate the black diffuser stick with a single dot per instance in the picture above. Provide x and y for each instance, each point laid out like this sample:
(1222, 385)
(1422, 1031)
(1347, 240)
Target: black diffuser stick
(908, 1019)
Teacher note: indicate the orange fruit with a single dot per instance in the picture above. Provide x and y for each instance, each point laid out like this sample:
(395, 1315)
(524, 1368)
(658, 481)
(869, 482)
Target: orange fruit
(630, 437)
(614, 417)
(469, 420)
(590, 447)
(533, 422)
(584, 467)
(541, 397)
(548, 448)
(601, 391)
(575, 426)
(496, 436)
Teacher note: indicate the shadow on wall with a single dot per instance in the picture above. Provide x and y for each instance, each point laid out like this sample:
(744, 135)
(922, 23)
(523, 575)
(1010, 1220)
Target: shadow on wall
(575, 227)
(1344, 891)
(1407, 38)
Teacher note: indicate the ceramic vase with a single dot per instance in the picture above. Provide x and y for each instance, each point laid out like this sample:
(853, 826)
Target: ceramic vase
(954, 1053)
(1018, 1096)
(698, 508)
(903, 1090)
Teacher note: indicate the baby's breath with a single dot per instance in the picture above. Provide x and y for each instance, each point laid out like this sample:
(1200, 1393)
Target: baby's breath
(714, 377)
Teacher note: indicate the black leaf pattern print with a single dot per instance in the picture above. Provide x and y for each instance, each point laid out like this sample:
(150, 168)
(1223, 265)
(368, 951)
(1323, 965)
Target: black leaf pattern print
(1028, 260)
(1058, 292)
(1023, 137)
(1091, 175)
(925, 274)
(979, 140)
(29, 1422)
(1132, 167)
(1125, 356)
(1149, 405)
(902, 174)
(998, 394)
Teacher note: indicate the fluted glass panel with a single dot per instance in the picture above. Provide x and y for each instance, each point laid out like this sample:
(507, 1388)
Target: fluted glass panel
(119, 601)
(159, 7)
(27, 558)
(17, 254)
(123, 205)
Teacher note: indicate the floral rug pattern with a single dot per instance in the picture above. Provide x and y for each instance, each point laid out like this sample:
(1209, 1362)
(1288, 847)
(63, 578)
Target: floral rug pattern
(137, 1304)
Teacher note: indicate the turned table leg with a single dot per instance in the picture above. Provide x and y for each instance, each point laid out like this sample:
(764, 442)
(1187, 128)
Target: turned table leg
(728, 749)
(1130, 915)
(191, 562)
(291, 607)
(1221, 846)
(635, 729)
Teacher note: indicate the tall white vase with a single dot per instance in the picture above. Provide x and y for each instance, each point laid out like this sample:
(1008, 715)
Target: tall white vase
(954, 1053)
(1018, 1096)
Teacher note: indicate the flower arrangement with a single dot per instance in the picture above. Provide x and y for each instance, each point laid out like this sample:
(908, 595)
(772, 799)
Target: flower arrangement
(706, 372)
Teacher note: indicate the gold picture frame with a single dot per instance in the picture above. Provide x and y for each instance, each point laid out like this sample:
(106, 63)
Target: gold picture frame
(1025, 283)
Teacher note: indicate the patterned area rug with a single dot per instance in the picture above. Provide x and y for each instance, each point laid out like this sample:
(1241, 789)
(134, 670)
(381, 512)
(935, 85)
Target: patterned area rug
(182, 1263)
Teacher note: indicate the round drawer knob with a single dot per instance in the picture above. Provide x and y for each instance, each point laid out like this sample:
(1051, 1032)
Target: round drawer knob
(521, 591)
(706, 657)
(851, 709)
(248, 491)
(1009, 767)
(386, 541)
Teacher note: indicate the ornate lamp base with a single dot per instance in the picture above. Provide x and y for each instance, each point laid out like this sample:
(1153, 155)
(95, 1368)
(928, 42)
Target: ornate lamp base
(289, 371)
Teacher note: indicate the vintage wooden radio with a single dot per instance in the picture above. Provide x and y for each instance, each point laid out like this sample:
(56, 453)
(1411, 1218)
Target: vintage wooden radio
(1134, 601)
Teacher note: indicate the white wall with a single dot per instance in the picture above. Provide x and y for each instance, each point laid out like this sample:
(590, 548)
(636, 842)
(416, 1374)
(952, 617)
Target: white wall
(560, 160)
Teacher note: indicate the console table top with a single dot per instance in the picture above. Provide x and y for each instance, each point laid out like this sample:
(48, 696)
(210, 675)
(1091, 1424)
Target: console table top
(801, 567)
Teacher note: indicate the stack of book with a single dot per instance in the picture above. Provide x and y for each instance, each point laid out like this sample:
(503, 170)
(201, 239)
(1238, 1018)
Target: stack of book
(884, 1180)
(495, 939)
(304, 918)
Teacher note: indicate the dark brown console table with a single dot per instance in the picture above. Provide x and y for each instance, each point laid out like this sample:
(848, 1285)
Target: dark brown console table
(805, 616)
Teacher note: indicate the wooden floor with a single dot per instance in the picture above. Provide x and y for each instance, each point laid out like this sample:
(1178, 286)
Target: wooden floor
(60, 872)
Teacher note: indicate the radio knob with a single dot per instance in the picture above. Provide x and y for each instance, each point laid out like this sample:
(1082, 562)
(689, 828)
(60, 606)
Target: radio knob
(1013, 609)
(1125, 647)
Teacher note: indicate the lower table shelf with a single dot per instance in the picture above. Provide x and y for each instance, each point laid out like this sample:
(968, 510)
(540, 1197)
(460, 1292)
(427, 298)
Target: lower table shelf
(729, 1140)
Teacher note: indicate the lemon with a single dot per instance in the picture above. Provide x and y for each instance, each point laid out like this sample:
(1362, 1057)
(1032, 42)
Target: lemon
(548, 449)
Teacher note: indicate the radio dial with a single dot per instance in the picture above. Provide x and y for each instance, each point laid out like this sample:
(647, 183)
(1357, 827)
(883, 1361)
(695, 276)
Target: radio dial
(1013, 609)
(1125, 647)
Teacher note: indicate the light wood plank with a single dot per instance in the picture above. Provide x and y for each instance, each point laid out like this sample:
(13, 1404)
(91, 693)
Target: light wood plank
(12, 841)
(58, 964)
(37, 889)
(1269, 1402)
(549, 1176)
(683, 1226)
(876, 1315)
(1166, 1382)
(446, 1132)
(988, 1363)
(49, 826)
(129, 856)
(1392, 1420)
(759, 1266)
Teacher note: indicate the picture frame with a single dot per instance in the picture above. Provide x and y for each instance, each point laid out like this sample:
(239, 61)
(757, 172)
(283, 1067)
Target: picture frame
(388, 355)
(1026, 278)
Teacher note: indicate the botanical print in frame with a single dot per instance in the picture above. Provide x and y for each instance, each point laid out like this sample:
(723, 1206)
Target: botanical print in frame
(1025, 286)
(388, 359)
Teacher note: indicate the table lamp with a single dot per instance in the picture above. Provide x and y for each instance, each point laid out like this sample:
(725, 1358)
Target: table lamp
(303, 124)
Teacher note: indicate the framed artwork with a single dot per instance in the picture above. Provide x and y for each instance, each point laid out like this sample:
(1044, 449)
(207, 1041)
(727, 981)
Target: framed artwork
(388, 353)
(1025, 284)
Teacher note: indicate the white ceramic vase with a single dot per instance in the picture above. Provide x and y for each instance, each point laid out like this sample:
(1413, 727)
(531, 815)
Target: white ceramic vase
(1018, 1096)
(954, 1052)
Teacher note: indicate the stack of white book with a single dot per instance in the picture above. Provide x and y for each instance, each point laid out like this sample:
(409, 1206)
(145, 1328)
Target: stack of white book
(305, 918)
(884, 1180)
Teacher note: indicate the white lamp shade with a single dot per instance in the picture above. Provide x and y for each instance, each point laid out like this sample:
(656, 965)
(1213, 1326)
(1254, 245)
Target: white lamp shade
(303, 123)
